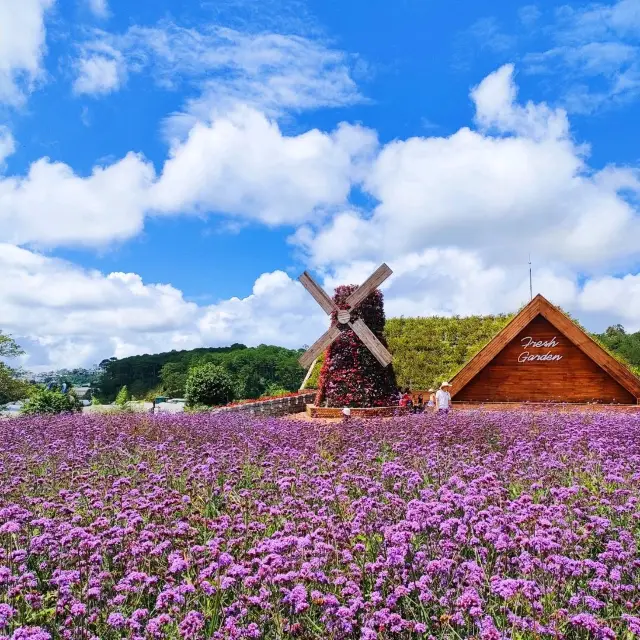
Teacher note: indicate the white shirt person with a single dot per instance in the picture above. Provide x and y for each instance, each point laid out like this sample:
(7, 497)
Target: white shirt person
(443, 398)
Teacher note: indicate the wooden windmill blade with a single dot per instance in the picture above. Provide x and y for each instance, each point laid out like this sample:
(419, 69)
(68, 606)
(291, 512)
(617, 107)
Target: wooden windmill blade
(369, 285)
(318, 347)
(318, 293)
(371, 342)
(343, 316)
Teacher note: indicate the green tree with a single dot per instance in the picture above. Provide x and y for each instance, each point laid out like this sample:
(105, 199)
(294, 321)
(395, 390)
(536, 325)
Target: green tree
(174, 378)
(12, 387)
(209, 384)
(43, 401)
(8, 347)
(624, 346)
(123, 396)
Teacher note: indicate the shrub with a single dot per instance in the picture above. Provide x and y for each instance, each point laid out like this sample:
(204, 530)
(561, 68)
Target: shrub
(123, 396)
(209, 384)
(44, 401)
(274, 390)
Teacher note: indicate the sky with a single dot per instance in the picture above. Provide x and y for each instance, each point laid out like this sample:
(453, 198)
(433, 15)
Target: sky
(168, 169)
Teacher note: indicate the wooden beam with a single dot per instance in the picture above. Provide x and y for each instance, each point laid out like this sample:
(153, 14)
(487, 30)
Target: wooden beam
(318, 293)
(369, 286)
(318, 346)
(371, 342)
(309, 372)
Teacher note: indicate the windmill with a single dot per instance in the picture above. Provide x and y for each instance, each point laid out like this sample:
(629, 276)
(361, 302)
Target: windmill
(343, 316)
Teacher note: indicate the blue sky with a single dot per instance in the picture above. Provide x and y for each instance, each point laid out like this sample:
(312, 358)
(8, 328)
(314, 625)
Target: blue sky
(166, 173)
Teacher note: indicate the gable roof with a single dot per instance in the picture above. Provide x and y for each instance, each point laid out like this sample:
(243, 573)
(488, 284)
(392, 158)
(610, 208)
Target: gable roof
(541, 306)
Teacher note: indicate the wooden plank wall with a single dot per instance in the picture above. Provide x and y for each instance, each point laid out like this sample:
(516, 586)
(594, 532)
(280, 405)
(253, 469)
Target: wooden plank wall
(573, 378)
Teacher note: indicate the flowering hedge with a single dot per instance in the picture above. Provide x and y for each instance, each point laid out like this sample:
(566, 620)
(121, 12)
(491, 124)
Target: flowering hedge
(471, 525)
(350, 375)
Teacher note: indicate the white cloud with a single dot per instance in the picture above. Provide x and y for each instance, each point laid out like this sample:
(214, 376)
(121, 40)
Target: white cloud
(243, 165)
(53, 206)
(269, 71)
(99, 8)
(496, 104)
(522, 185)
(600, 20)
(240, 165)
(7, 144)
(595, 54)
(99, 74)
(22, 47)
(614, 296)
(278, 311)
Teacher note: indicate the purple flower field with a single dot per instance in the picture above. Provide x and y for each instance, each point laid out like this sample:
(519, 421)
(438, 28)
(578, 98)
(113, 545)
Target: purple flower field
(487, 526)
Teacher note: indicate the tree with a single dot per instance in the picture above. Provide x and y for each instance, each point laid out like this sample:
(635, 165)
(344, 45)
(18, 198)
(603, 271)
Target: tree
(622, 344)
(209, 384)
(123, 396)
(8, 347)
(174, 378)
(43, 401)
(351, 376)
(12, 387)
(615, 330)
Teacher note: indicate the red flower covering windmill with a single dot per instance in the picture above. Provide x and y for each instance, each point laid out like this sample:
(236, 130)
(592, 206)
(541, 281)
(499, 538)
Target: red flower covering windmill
(356, 370)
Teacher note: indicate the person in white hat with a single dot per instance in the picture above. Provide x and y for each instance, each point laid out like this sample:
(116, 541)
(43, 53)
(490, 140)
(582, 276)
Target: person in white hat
(443, 398)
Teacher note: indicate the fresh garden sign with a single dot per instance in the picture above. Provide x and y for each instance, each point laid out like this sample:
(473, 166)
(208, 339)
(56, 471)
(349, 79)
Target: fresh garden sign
(542, 356)
(531, 343)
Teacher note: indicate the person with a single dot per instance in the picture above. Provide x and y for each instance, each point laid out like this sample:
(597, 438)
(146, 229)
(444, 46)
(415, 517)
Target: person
(346, 414)
(431, 403)
(419, 405)
(443, 399)
(409, 397)
(405, 399)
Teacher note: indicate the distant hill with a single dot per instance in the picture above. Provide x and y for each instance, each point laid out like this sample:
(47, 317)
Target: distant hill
(255, 370)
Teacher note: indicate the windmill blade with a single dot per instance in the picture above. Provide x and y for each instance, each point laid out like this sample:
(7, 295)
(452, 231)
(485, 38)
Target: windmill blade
(369, 286)
(318, 347)
(318, 293)
(371, 342)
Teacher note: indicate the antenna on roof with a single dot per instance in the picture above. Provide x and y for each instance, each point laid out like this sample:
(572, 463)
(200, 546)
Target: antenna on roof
(530, 280)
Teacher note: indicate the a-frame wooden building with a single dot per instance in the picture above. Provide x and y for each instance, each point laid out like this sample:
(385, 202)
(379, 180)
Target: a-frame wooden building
(543, 356)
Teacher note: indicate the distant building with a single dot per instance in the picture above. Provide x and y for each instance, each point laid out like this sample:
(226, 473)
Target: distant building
(83, 393)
